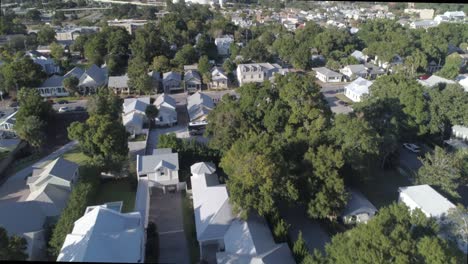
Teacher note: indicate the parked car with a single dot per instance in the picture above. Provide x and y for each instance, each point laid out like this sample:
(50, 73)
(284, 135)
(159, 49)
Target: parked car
(80, 108)
(63, 109)
(62, 102)
(14, 104)
(412, 147)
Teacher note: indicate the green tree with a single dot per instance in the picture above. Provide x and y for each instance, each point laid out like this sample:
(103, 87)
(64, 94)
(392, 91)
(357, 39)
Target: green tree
(46, 35)
(105, 102)
(441, 169)
(79, 44)
(31, 129)
(151, 112)
(22, 72)
(12, 248)
(33, 15)
(456, 225)
(161, 64)
(138, 78)
(185, 56)
(393, 236)
(148, 43)
(300, 250)
(451, 67)
(203, 65)
(103, 139)
(56, 51)
(70, 83)
(416, 62)
(255, 51)
(324, 182)
(95, 49)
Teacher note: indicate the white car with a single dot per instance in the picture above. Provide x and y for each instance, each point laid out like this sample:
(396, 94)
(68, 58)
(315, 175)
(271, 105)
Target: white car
(63, 109)
(412, 147)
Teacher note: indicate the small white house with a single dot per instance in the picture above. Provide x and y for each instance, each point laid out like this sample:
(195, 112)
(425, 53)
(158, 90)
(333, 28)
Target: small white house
(357, 89)
(257, 72)
(358, 209)
(435, 80)
(326, 75)
(167, 115)
(219, 79)
(431, 203)
(460, 132)
(222, 44)
(134, 116)
(199, 105)
(161, 168)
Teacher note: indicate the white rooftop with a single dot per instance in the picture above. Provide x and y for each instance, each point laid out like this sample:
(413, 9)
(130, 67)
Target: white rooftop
(359, 86)
(427, 199)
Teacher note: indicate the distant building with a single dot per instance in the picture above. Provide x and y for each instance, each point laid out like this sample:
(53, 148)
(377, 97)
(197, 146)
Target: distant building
(423, 13)
(47, 64)
(222, 44)
(131, 25)
(257, 72)
(435, 80)
(326, 75)
(425, 24)
(455, 15)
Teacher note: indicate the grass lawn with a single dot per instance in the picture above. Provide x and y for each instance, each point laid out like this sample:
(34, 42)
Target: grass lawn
(75, 155)
(382, 187)
(189, 227)
(343, 98)
(113, 190)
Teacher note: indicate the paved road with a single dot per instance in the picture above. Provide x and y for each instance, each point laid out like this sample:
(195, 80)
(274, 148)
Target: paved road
(166, 212)
(71, 105)
(15, 187)
(330, 90)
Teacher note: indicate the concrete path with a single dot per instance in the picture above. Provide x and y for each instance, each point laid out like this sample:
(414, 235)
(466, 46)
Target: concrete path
(15, 188)
(166, 212)
(329, 91)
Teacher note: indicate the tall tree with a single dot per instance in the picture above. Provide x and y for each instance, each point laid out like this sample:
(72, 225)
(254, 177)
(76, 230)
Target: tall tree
(441, 169)
(452, 66)
(105, 102)
(46, 35)
(138, 77)
(12, 248)
(56, 51)
(186, 55)
(22, 72)
(161, 64)
(456, 226)
(203, 65)
(31, 129)
(393, 236)
(70, 83)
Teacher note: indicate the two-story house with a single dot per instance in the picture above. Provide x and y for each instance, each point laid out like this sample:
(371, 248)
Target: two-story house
(256, 72)
(222, 44)
(192, 81)
(161, 168)
(172, 81)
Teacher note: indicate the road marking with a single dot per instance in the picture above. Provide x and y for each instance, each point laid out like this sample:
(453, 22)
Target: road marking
(171, 232)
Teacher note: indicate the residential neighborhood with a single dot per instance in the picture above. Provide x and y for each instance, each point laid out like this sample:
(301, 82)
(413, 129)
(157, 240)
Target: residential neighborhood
(233, 131)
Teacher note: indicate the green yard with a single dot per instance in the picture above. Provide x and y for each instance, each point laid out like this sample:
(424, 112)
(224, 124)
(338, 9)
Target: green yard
(343, 98)
(141, 137)
(381, 188)
(114, 190)
(75, 155)
(189, 227)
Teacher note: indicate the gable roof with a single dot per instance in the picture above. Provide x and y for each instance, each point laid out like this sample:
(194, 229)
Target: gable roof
(165, 100)
(427, 199)
(104, 235)
(213, 213)
(358, 55)
(60, 168)
(135, 104)
(98, 75)
(22, 217)
(150, 163)
(357, 68)
(53, 198)
(172, 76)
(327, 72)
(203, 168)
(77, 72)
(118, 81)
(218, 74)
(359, 86)
(199, 104)
(53, 81)
(133, 118)
(434, 80)
(192, 76)
(357, 204)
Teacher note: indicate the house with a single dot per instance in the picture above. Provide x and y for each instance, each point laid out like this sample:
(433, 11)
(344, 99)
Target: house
(48, 65)
(425, 24)
(222, 44)
(327, 75)
(199, 105)
(53, 86)
(435, 80)
(167, 114)
(251, 241)
(373, 71)
(460, 132)
(463, 81)
(431, 203)
(256, 72)
(433, 67)
(171, 81)
(213, 213)
(358, 209)
(354, 71)
(359, 56)
(134, 115)
(219, 79)
(441, 18)
(50, 189)
(192, 81)
(455, 15)
(7, 125)
(105, 234)
(357, 89)
(92, 78)
(161, 168)
(119, 84)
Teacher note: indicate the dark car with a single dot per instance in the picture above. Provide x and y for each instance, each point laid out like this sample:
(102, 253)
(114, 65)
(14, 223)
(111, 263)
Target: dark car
(343, 103)
(80, 108)
(62, 102)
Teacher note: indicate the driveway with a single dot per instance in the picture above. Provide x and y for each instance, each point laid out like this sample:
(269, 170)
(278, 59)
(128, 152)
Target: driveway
(166, 212)
(314, 235)
(330, 90)
(15, 188)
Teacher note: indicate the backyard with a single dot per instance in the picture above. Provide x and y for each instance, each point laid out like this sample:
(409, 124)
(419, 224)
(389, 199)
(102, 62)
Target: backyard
(189, 227)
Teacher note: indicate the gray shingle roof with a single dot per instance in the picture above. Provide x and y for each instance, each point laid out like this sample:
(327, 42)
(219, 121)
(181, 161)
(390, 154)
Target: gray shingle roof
(77, 72)
(192, 76)
(357, 204)
(327, 72)
(61, 168)
(22, 217)
(172, 76)
(53, 81)
(118, 81)
(199, 104)
(149, 163)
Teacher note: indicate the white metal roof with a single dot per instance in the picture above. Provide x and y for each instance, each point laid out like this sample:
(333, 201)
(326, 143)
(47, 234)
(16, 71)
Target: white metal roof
(359, 86)
(428, 200)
